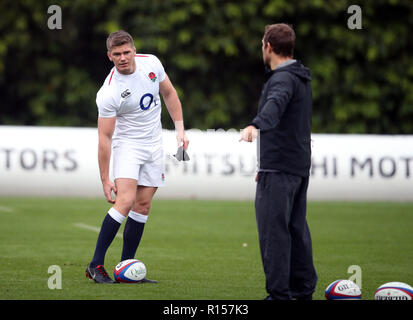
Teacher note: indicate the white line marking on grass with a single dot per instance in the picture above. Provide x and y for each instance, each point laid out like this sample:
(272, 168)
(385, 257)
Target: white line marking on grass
(6, 209)
(93, 228)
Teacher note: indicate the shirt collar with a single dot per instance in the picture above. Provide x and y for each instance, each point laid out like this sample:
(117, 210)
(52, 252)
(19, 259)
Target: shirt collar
(285, 63)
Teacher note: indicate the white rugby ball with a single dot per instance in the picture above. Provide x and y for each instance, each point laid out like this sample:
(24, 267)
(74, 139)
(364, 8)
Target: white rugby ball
(343, 290)
(394, 291)
(129, 271)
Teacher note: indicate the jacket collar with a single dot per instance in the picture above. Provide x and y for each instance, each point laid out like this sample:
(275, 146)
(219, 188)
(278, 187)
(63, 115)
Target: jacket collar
(268, 72)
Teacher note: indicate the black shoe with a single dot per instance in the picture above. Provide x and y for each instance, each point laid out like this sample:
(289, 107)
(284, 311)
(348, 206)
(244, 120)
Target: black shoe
(269, 297)
(98, 274)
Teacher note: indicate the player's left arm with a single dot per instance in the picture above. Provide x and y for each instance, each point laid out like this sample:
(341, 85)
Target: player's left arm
(173, 104)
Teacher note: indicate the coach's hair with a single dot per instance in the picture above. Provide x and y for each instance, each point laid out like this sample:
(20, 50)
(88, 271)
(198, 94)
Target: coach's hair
(281, 38)
(118, 38)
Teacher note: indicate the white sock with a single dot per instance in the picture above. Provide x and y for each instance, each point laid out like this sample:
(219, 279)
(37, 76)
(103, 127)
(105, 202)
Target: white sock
(116, 215)
(138, 217)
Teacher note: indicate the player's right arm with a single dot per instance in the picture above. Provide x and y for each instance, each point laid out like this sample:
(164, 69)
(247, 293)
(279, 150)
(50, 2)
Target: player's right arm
(106, 126)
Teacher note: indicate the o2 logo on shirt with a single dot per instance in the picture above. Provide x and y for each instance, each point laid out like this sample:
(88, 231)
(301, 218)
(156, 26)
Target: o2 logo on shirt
(146, 101)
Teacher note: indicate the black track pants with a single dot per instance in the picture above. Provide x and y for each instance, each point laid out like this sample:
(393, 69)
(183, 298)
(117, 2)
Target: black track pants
(284, 236)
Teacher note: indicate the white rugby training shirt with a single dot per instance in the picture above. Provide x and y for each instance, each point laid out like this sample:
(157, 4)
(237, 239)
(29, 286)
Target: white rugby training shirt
(134, 100)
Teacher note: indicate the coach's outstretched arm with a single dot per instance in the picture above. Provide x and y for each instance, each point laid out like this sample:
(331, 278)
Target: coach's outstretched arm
(106, 126)
(174, 107)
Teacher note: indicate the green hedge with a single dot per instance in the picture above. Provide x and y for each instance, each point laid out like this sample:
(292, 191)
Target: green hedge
(211, 49)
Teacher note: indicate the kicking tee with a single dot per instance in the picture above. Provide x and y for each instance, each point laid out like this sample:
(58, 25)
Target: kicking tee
(134, 100)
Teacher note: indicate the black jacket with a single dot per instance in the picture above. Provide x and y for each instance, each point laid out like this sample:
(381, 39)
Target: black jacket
(284, 120)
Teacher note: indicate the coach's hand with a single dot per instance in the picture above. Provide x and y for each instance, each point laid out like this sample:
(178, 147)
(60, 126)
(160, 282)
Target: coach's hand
(108, 187)
(249, 134)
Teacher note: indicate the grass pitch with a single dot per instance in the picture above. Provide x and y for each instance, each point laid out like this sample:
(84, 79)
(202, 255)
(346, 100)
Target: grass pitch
(195, 249)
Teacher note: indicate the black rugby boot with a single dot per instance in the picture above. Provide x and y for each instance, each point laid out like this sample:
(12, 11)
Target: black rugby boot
(98, 274)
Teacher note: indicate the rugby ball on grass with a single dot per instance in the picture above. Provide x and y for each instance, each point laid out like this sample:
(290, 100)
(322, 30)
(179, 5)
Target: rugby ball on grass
(394, 291)
(343, 290)
(129, 271)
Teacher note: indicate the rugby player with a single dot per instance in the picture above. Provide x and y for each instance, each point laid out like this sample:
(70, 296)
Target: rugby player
(129, 125)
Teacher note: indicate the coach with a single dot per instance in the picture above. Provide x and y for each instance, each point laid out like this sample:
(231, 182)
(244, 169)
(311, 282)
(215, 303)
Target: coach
(283, 128)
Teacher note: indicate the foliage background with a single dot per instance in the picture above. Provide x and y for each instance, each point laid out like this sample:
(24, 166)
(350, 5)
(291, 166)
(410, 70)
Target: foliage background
(211, 49)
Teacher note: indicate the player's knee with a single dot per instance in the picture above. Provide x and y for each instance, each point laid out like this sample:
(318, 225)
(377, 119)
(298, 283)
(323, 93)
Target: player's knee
(125, 201)
(143, 207)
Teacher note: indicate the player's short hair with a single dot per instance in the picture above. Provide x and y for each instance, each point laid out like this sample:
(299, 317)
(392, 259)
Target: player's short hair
(118, 38)
(281, 37)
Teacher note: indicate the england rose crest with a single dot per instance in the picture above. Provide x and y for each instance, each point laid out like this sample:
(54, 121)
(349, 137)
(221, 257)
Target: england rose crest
(152, 76)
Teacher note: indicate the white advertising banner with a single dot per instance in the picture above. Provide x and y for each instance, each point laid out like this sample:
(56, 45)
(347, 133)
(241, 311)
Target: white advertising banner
(46, 161)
